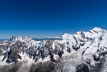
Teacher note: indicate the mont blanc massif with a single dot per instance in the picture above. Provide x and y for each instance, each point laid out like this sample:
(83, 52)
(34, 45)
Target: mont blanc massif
(79, 52)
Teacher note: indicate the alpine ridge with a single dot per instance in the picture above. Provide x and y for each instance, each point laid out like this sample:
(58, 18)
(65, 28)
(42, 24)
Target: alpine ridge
(79, 52)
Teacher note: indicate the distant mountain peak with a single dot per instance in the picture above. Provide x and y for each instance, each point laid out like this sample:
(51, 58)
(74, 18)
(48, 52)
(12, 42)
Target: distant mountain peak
(97, 29)
(82, 45)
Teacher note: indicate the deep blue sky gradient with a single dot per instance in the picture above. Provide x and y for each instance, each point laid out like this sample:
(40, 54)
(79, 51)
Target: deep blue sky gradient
(51, 16)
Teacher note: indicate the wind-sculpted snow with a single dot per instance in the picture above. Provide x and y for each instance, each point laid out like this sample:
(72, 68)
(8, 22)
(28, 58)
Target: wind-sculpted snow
(78, 52)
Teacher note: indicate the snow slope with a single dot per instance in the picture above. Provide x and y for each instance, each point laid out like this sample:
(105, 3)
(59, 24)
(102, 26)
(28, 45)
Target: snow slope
(82, 47)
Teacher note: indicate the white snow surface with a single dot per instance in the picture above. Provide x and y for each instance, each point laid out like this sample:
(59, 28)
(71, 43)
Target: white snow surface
(88, 44)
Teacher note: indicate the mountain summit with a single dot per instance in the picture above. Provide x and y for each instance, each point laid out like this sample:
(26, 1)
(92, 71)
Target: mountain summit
(86, 48)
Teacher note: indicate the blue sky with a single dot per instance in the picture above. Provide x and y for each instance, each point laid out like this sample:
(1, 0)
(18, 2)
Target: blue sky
(51, 17)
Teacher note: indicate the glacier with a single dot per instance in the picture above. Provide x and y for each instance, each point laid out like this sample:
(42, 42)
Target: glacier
(79, 52)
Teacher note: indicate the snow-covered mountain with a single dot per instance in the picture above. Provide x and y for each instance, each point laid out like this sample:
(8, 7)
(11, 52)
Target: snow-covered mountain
(72, 50)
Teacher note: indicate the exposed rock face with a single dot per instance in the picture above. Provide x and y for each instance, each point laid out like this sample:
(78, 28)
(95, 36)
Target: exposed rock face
(25, 67)
(74, 52)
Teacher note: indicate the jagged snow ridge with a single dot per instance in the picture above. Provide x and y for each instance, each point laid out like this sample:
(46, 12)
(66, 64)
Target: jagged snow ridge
(77, 48)
(93, 41)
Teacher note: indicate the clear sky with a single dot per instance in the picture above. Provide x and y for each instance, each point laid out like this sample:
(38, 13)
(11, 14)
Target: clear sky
(51, 16)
